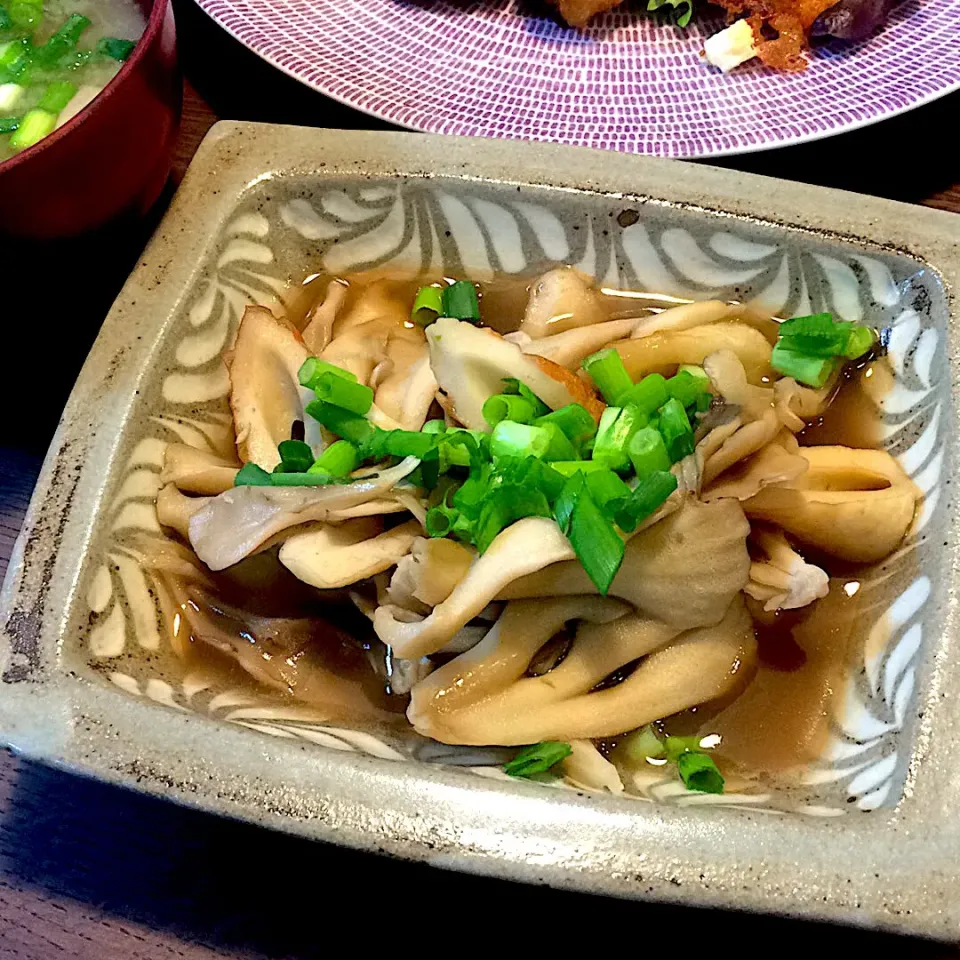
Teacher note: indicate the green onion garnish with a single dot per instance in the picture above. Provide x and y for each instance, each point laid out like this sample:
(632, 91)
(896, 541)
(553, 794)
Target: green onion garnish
(355, 397)
(574, 420)
(699, 772)
(572, 488)
(810, 349)
(650, 493)
(568, 468)
(560, 446)
(26, 14)
(642, 744)
(408, 443)
(513, 386)
(595, 541)
(63, 41)
(604, 486)
(427, 306)
(295, 456)
(57, 95)
(250, 475)
(647, 452)
(9, 124)
(504, 406)
(460, 301)
(115, 48)
(648, 395)
(511, 439)
(609, 374)
(433, 426)
(675, 429)
(314, 368)
(338, 460)
(538, 759)
(812, 371)
(34, 126)
(349, 426)
(617, 427)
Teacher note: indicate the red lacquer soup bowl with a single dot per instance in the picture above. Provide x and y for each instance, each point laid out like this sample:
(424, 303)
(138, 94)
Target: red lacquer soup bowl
(110, 160)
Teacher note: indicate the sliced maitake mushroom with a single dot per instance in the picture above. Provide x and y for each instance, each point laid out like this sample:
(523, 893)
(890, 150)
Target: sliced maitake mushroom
(852, 504)
(406, 392)
(784, 580)
(174, 509)
(484, 696)
(265, 394)
(525, 546)
(663, 352)
(698, 553)
(336, 556)
(470, 364)
(561, 299)
(427, 575)
(319, 329)
(243, 520)
(588, 767)
(196, 471)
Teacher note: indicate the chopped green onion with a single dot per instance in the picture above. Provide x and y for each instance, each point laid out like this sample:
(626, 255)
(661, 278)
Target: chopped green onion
(433, 426)
(408, 443)
(648, 395)
(647, 452)
(505, 505)
(604, 486)
(338, 460)
(641, 745)
(427, 306)
(566, 501)
(9, 124)
(295, 456)
(560, 446)
(650, 493)
(26, 14)
(316, 478)
(14, 59)
(504, 406)
(5, 22)
(511, 385)
(703, 402)
(818, 335)
(860, 341)
(469, 498)
(440, 520)
(617, 426)
(812, 371)
(355, 397)
(313, 368)
(251, 475)
(674, 426)
(63, 41)
(349, 426)
(596, 542)
(511, 439)
(460, 301)
(609, 374)
(568, 468)
(34, 126)
(681, 10)
(685, 388)
(538, 759)
(115, 48)
(57, 95)
(699, 772)
(574, 420)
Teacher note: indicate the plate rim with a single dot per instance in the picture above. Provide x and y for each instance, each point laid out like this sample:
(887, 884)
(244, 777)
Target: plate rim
(519, 831)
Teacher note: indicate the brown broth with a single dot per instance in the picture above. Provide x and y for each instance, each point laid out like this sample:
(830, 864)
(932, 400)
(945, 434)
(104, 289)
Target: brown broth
(778, 721)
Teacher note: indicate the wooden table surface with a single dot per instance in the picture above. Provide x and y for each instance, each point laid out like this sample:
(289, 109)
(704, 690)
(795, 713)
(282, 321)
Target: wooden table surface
(92, 871)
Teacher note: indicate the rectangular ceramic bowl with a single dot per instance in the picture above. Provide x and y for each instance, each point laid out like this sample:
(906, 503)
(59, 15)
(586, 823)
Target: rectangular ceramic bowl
(873, 835)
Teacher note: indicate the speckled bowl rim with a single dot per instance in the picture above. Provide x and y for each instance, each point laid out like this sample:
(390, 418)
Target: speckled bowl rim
(894, 868)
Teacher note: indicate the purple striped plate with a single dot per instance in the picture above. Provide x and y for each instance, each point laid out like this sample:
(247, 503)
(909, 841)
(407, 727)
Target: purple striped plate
(628, 83)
